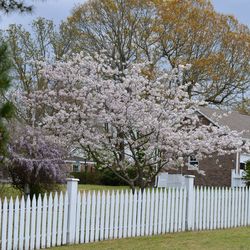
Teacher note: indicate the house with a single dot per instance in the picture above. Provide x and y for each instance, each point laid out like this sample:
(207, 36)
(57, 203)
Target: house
(78, 162)
(225, 170)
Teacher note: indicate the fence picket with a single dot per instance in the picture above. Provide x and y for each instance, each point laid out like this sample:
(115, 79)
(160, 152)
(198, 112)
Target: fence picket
(112, 213)
(204, 209)
(138, 222)
(201, 209)
(78, 218)
(121, 215)
(33, 223)
(242, 206)
(180, 210)
(208, 208)
(168, 210)
(10, 224)
(102, 216)
(229, 207)
(16, 222)
(248, 207)
(60, 220)
(83, 218)
(197, 204)
(176, 209)
(212, 208)
(164, 210)
(222, 207)
(236, 206)
(155, 221)
(107, 216)
(21, 229)
(97, 224)
(117, 199)
(147, 212)
(130, 213)
(143, 213)
(219, 207)
(4, 224)
(245, 206)
(54, 220)
(44, 221)
(87, 233)
(152, 203)
(233, 217)
(134, 214)
(27, 224)
(38, 222)
(65, 218)
(160, 213)
(125, 221)
(49, 222)
(92, 222)
(226, 208)
(172, 210)
(184, 209)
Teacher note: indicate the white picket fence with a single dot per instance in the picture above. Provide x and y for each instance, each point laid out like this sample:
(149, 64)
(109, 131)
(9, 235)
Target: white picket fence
(82, 217)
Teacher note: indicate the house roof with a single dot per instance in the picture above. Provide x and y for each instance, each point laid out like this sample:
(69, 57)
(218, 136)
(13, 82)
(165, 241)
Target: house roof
(234, 120)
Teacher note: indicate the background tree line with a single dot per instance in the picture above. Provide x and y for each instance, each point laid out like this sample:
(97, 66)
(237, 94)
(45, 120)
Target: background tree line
(164, 33)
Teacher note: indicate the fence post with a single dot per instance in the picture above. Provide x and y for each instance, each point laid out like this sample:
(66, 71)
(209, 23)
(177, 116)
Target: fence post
(189, 181)
(72, 190)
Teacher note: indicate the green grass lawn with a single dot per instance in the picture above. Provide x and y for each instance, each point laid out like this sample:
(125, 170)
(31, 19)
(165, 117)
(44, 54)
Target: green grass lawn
(230, 239)
(6, 190)
(89, 187)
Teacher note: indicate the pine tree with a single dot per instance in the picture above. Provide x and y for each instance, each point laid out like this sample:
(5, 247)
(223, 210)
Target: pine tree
(6, 107)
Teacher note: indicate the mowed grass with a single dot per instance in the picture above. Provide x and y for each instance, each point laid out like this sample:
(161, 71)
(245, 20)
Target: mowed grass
(230, 239)
(7, 190)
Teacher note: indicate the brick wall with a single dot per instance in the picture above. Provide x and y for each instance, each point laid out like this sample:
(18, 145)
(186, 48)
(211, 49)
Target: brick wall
(217, 171)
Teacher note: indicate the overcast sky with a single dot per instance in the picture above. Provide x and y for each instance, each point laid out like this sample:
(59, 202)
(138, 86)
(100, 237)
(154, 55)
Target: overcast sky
(58, 10)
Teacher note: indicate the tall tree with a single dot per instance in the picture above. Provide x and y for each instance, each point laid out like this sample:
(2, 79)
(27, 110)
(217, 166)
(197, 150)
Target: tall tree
(168, 33)
(27, 47)
(6, 107)
(134, 125)
(43, 42)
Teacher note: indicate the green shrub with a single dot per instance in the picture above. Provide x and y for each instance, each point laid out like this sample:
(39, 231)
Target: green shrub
(247, 174)
(88, 177)
(99, 177)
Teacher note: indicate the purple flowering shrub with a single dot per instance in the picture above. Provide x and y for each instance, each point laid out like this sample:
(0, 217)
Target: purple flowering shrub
(35, 162)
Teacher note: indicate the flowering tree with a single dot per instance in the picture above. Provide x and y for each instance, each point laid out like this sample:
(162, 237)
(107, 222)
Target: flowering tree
(35, 164)
(131, 122)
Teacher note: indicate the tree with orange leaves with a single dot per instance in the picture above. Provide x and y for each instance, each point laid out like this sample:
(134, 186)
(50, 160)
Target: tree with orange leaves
(169, 33)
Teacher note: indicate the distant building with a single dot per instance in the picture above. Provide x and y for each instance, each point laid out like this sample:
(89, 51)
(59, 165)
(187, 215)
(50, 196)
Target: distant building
(225, 170)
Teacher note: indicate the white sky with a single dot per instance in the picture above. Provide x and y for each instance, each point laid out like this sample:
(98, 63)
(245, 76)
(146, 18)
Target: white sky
(58, 10)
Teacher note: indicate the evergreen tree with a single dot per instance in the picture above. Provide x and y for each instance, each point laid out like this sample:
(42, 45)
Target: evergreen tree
(247, 174)
(6, 107)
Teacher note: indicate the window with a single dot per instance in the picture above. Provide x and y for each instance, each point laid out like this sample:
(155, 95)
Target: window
(76, 168)
(192, 162)
(243, 165)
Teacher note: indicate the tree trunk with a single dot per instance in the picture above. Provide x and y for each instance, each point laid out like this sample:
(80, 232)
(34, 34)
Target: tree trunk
(26, 190)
